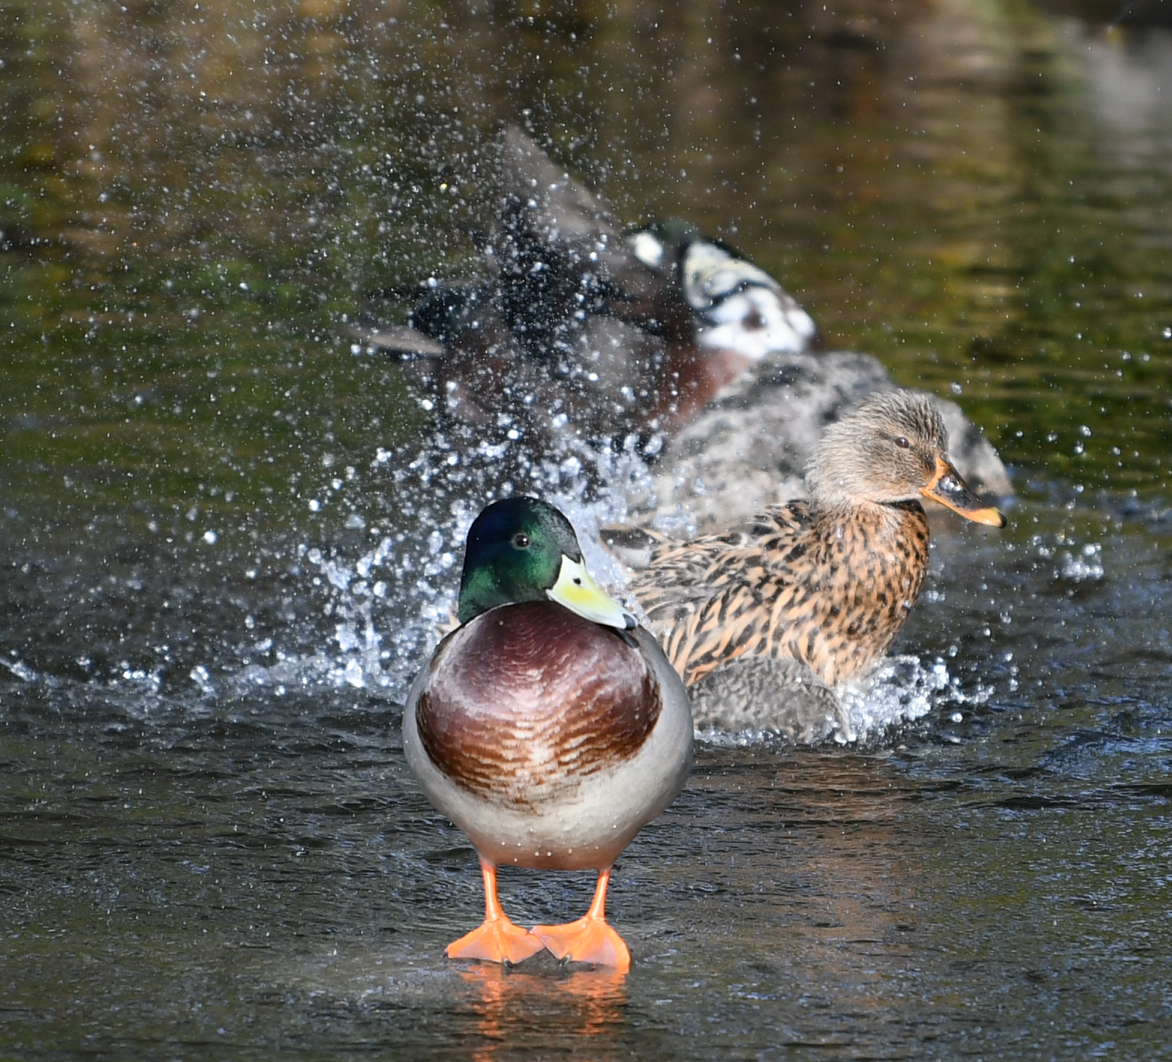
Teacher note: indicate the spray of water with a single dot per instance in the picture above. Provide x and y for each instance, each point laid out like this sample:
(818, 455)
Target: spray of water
(387, 604)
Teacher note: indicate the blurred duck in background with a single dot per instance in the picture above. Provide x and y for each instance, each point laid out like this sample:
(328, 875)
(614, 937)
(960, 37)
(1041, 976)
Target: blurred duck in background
(579, 330)
(577, 326)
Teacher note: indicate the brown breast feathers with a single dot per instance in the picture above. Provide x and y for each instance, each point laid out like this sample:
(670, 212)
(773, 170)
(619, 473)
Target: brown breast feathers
(525, 701)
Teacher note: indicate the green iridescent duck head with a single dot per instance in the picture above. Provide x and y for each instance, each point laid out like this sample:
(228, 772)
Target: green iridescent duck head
(523, 549)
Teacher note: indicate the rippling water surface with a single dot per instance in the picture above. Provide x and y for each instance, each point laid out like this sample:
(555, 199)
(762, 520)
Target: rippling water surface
(226, 540)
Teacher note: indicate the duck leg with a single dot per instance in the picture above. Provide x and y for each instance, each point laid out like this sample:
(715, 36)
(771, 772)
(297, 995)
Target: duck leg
(589, 939)
(496, 938)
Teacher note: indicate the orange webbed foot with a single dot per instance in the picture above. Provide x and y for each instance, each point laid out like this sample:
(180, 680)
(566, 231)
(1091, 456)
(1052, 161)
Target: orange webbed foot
(496, 940)
(589, 939)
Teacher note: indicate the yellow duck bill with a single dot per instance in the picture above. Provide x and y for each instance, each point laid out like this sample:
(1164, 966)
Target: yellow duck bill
(579, 593)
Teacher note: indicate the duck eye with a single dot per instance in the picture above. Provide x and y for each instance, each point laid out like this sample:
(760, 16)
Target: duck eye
(902, 443)
(521, 540)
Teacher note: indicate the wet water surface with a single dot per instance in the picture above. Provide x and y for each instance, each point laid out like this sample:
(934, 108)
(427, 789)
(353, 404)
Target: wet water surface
(226, 539)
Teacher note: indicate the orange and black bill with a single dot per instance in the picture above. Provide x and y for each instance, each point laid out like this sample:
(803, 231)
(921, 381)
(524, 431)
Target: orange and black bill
(947, 488)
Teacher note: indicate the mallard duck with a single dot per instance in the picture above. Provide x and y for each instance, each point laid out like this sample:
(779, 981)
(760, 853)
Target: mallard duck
(548, 726)
(577, 326)
(749, 447)
(576, 329)
(812, 593)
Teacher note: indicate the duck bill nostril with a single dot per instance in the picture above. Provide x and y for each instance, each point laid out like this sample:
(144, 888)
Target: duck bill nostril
(947, 488)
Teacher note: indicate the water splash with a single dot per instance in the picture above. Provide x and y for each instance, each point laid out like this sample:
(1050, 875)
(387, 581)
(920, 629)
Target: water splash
(1076, 562)
(1083, 565)
(900, 690)
(388, 604)
(20, 669)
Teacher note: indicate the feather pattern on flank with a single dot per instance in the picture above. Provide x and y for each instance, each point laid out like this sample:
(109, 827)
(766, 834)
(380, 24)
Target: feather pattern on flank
(829, 593)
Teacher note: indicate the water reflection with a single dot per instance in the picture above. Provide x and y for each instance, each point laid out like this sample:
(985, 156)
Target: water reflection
(826, 894)
(515, 1009)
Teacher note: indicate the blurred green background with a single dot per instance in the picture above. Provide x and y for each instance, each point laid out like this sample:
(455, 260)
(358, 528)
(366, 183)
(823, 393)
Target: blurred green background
(192, 197)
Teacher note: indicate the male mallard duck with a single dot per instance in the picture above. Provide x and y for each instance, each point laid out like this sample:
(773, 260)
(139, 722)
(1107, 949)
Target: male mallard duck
(813, 593)
(547, 726)
(578, 326)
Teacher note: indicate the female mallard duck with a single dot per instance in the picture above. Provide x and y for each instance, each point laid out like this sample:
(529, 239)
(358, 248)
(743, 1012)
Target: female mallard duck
(748, 448)
(547, 726)
(813, 593)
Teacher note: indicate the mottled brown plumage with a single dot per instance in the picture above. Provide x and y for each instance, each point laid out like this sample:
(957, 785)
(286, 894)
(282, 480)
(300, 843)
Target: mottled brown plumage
(801, 583)
(829, 582)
